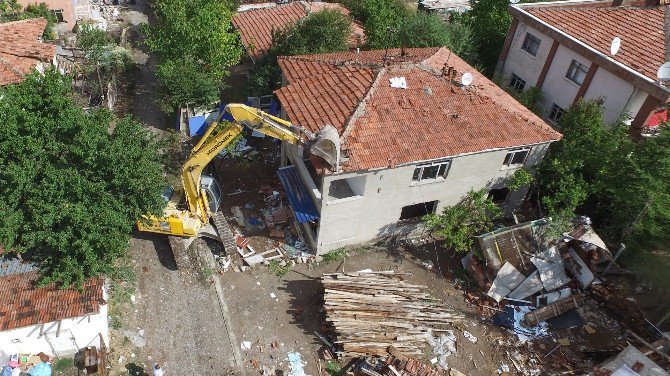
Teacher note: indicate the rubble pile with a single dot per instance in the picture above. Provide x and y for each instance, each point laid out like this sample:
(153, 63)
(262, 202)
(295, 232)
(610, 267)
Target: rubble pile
(371, 311)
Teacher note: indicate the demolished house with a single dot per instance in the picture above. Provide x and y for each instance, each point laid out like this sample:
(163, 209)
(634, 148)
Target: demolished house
(548, 289)
(417, 129)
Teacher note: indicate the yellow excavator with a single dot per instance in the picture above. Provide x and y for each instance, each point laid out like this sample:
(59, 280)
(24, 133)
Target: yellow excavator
(202, 192)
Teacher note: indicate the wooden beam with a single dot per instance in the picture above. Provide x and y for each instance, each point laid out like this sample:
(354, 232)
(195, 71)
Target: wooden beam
(587, 82)
(547, 64)
(58, 327)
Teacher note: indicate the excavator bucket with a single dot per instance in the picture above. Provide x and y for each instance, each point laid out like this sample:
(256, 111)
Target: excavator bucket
(327, 145)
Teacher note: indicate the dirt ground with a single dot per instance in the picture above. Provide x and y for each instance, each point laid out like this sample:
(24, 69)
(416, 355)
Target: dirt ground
(290, 317)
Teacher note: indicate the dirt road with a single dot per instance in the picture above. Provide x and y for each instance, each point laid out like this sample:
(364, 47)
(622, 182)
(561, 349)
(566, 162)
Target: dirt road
(178, 315)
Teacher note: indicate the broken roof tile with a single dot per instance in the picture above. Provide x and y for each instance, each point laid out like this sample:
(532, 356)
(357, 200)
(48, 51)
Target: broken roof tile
(21, 49)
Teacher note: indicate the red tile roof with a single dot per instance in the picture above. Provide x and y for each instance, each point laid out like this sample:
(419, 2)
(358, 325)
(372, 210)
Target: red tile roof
(434, 117)
(24, 304)
(21, 50)
(256, 25)
(596, 24)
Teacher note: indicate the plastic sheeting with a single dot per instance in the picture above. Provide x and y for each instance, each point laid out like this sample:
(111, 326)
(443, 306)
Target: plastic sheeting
(41, 369)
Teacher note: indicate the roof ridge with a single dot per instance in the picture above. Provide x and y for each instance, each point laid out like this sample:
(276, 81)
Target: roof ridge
(362, 104)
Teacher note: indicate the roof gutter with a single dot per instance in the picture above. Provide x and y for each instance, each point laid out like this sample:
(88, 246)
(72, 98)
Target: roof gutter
(647, 84)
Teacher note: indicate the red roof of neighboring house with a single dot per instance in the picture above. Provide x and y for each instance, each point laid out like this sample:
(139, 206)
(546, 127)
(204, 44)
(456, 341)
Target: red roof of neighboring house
(382, 126)
(21, 49)
(256, 25)
(597, 23)
(24, 304)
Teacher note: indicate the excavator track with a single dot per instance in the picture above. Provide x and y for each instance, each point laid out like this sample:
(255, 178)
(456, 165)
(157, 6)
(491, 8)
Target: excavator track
(225, 233)
(180, 252)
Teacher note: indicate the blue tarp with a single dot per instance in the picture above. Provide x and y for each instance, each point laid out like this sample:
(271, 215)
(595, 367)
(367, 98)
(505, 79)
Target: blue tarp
(41, 369)
(196, 125)
(298, 196)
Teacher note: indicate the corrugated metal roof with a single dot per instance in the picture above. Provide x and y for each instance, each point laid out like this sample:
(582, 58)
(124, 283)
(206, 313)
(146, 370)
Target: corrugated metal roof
(11, 265)
(298, 196)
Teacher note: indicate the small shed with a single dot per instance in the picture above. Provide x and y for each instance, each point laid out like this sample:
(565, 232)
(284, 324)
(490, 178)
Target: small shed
(48, 319)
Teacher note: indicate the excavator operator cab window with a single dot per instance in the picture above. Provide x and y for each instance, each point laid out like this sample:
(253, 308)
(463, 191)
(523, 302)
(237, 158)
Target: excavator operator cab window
(213, 191)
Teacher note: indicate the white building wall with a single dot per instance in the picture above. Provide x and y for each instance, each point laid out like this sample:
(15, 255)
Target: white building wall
(75, 333)
(523, 64)
(620, 97)
(557, 88)
(614, 92)
(375, 215)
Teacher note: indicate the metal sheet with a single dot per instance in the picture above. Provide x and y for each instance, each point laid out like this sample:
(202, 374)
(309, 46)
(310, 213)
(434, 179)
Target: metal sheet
(508, 279)
(528, 287)
(552, 271)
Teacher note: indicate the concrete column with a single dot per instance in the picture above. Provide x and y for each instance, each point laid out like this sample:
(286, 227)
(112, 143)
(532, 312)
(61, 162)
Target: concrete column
(587, 81)
(508, 43)
(547, 64)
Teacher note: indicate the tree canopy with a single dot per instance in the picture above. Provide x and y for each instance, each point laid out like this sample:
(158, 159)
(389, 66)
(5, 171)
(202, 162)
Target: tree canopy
(391, 24)
(320, 32)
(193, 40)
(459, 224)
(599, 171)
(490, 21)
(72, 184)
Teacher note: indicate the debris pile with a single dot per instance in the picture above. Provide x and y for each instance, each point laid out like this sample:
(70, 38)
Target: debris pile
(371, 311)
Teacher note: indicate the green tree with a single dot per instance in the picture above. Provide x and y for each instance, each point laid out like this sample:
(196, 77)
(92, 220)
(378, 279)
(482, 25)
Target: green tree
(103, 58)
(381, 20)
(599, 171)
(490, 21)
(320, 32)
(422, 29)
(197, 33)
(459, 224)
(71, 184)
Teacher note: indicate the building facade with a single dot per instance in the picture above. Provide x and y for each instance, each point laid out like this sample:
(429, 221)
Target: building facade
(413, 139)
(568, 50)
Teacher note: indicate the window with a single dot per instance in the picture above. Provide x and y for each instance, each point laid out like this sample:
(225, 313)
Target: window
(555, 113)
(431, 171)
(58, 13)
(499, 195)
(516, 157)
(577, 72)
(517, 83)
(531, 44)
(418, 210)
(346, 188)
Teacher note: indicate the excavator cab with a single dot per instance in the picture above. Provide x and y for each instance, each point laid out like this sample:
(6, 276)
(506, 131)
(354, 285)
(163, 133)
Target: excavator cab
(213, 192)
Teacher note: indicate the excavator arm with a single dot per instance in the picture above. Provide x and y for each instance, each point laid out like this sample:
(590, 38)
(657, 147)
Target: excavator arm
(211, 145)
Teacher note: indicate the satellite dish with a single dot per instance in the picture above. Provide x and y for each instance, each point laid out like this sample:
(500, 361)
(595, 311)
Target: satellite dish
(663, 73)
(514, 1)
(466, 79)
(616, 44)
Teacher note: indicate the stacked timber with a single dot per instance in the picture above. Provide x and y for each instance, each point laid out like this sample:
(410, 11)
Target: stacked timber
(371, 311)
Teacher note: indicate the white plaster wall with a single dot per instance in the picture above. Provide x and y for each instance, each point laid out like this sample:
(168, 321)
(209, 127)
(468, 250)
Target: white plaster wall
(557, 88)
(387, 191)
(614, 91)
(522, 63)
(83, 329)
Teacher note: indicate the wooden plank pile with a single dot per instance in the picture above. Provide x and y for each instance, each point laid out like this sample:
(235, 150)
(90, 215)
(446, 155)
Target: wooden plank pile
(371, 311)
